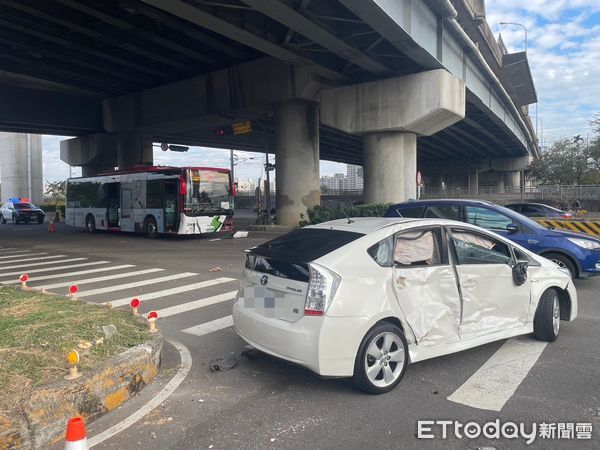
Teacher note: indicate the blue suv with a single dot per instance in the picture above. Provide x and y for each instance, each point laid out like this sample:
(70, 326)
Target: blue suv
(577, 252)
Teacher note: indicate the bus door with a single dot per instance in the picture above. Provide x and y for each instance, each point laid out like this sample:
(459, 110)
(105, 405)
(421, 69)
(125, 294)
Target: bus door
(127, 204)
(113, 204)
(171, 204)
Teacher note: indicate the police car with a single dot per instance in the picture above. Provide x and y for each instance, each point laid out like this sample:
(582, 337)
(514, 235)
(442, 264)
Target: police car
(21, 210)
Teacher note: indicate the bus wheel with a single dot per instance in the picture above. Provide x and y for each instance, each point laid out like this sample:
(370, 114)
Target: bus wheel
(90, 223)
(151, 228)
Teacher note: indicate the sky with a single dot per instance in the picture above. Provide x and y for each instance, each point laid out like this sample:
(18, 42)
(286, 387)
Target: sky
(563, 43)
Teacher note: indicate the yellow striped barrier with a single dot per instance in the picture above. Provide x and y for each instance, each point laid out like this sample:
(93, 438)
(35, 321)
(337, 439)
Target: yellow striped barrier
(591, 227)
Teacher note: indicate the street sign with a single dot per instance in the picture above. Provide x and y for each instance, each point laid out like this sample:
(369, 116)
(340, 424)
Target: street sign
(164, 146)
(242, 127)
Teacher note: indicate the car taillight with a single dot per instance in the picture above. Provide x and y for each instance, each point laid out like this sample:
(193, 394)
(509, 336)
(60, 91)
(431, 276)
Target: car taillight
(182, 187)
(566, 216)
(322, 286)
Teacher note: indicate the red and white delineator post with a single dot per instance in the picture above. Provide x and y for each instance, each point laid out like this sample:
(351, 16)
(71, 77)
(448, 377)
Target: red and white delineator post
(23, 279)
(73, 289)
(135, 304)
(76, 438)
(152, 318)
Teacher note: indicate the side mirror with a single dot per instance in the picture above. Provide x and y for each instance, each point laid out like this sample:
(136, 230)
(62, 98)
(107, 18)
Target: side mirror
(512, 228)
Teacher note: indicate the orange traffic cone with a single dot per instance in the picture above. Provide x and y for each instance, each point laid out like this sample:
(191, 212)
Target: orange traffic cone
(51, 227)
(76, 439)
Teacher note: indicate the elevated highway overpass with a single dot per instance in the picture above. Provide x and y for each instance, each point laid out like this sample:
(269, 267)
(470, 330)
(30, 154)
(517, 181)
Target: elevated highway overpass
(393, 85)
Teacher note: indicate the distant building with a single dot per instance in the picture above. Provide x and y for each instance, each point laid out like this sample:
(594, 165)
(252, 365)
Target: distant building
(355, 178)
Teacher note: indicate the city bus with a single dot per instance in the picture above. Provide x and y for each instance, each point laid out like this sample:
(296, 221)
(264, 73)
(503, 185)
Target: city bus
(153, 200)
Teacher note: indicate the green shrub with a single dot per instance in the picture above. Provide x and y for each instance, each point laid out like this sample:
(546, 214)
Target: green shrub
(320, 214)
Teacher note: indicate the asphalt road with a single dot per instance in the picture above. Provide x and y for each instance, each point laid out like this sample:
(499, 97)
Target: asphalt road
(271, 404)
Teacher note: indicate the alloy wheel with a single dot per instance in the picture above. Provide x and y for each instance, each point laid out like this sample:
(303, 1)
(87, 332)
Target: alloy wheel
(384, 359)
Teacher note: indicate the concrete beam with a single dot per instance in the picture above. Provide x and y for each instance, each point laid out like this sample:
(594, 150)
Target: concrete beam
(292, 19)
(423, 103)
(249, 89)
(48, 112)
(217, 25)
(511, 164)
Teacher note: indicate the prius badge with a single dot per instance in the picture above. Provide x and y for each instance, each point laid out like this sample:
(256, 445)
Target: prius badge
(264, 280)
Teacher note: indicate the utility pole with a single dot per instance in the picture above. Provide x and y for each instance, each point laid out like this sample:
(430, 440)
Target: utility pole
(231, 164)
(268, 188)
(29, 167)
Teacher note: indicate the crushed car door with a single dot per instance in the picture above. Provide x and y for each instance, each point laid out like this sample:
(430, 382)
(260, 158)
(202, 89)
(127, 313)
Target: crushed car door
(491, 299)
(425, 286)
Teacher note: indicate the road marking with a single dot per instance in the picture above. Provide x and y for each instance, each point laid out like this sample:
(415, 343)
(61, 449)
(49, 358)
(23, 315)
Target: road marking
(69, 274)
(497, 380)
(42, 263)
(31, 259)
(172, 291)
(210, 327)
(18, 256)
(184, 307)
(184, 368)
(52, 269)
(99, 279)
(121, 287)
(13, 250)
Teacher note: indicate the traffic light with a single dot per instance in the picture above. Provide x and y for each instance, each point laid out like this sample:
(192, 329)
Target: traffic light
(226, 130)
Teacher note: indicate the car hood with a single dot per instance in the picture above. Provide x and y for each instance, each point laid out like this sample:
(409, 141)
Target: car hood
(563, 234)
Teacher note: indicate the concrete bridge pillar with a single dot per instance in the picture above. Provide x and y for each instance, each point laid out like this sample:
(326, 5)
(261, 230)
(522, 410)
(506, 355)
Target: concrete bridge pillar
(390, 114)
(297, 160)
(512, 179)
(134, 148)
(390, 157)
(93, 152)
(473, 182)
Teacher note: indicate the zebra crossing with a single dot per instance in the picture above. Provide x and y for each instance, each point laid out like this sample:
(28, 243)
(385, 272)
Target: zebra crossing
(169, 293)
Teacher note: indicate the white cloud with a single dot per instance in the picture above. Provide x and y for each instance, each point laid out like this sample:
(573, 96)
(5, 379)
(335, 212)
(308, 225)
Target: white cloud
(564, 55)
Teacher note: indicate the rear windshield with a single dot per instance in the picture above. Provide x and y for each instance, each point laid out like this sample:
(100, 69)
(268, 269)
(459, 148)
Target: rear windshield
(305, 245)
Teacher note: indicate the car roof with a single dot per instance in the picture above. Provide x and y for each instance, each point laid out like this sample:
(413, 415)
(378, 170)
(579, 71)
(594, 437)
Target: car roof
(533, 204)
(367, 225)
(461, 201)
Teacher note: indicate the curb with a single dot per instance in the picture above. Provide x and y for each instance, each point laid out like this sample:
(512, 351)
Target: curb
(282, 228)
(98, 391)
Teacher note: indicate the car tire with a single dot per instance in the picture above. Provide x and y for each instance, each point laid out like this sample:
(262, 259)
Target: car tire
(546, 322)
(41, 220)
(90, 223)
(15, 220)
(2, 219)
(384, 339)
(151, 228)
(562, 261)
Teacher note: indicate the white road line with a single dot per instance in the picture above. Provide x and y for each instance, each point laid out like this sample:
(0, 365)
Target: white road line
(497, 380)
(99, 279)
(184, 368)
(13, 250)
(18, 256)
(172, 291)
(42, 263)
(52, 269)
(69, 274)
(30, 259)
(210, 327)
(121, 287)
(189, 306)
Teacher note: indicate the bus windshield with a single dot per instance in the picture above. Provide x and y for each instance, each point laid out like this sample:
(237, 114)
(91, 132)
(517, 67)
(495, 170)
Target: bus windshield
(207, 191)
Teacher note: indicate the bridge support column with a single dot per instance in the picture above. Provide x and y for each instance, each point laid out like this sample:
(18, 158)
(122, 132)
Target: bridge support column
(512, 179)
(134, 149)
(297, 159)
(93, 152)
(473, 182)
(390, 165)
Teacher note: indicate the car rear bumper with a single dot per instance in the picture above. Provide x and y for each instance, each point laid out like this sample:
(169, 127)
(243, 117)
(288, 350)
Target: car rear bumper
(325, 345)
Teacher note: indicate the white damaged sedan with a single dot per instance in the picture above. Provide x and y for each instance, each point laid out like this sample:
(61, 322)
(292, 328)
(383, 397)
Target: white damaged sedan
(364, 297)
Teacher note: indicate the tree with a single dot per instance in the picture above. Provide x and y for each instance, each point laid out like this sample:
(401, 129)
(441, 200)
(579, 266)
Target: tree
(568, 161)
(57, 191)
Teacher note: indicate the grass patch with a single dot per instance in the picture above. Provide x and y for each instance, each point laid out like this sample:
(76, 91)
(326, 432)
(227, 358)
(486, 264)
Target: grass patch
(37, 331)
